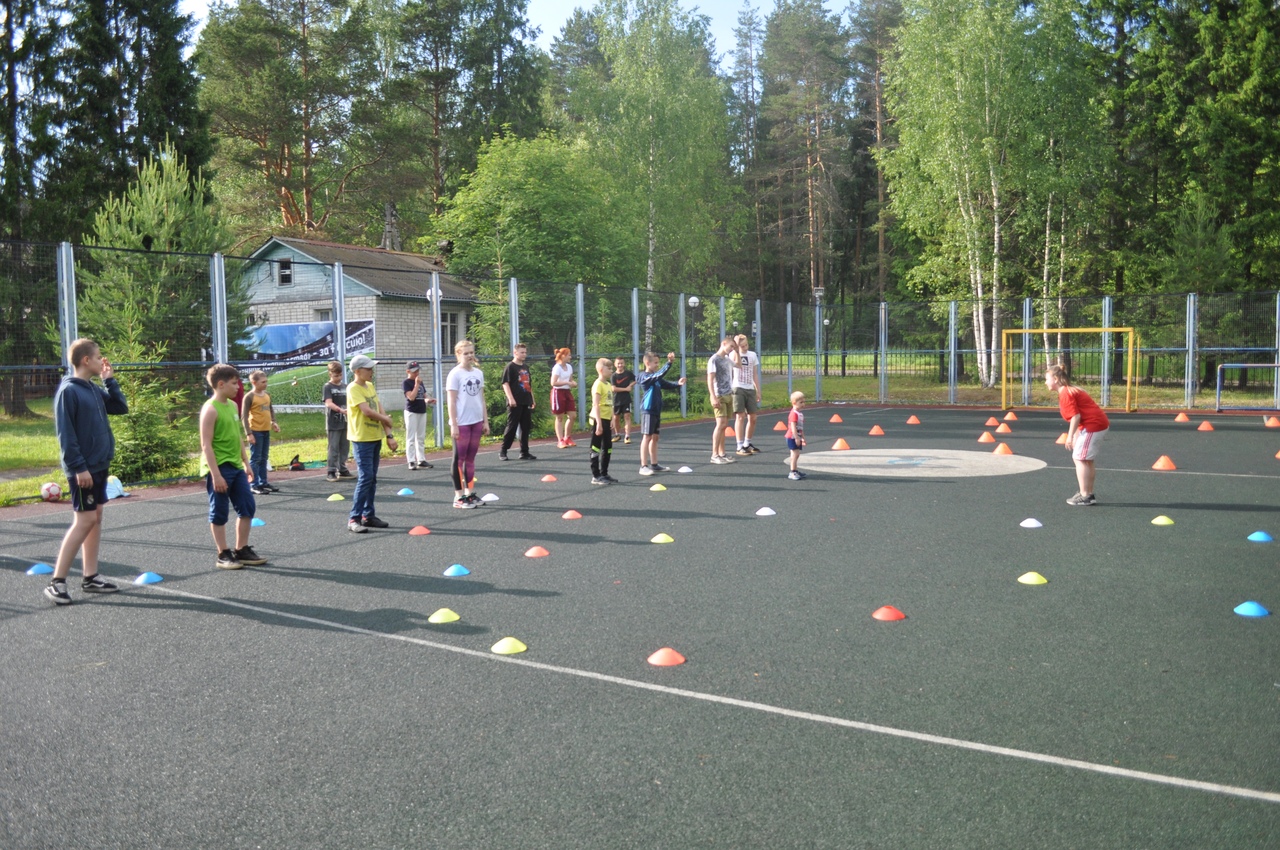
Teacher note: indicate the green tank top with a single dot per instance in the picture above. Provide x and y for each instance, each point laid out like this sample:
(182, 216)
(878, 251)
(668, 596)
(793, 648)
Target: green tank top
(226, 437)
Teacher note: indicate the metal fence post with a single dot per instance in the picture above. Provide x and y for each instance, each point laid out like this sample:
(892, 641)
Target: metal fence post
(580, 309)
(1107, 308)
(817, 344)
(437, 376)
(635, 348)
(68, 324)
(884, 352)
(218, 308)
(721, 320)
(1189, 372)
(953, 373)
(513, 290)
(789, 389)
(684, 394)
(340, 317)
(757, 331)
(1027, 318)
(1275, 377)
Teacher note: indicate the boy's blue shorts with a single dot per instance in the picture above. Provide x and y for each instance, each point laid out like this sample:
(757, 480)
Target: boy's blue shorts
(793, 444)
(238, 495)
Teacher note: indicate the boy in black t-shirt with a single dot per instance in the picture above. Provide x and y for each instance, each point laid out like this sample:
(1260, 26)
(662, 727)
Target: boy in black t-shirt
(518, 387)
(415, 416)
(623, 380)
(335, 402)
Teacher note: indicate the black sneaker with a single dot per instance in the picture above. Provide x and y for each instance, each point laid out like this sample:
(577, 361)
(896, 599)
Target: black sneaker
(413, 465)
(752, 449)
(657, 467)
(373, 522)
(527, 456)
(503, 456)
(476, 501)
(599, 479)
(1081, 500)
(345, 473)
(422, 464)
(227, 561)
(56, 591)
(259, 491)
(96, 584)
(271, 488)
(249, 557)
(610, 479)
(332, 476)
(462, 502)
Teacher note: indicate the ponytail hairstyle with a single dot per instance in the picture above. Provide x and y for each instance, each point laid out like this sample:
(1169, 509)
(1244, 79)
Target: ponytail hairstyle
(563, 354)
(1058, 372)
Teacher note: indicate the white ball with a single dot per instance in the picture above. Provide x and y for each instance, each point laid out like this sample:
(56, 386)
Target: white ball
(50, 492)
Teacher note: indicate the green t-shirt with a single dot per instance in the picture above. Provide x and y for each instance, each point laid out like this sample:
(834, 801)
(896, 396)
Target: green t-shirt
(227, 445)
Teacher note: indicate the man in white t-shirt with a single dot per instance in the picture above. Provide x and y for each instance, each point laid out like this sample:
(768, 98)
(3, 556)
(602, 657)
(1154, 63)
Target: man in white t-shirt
(746, 396)
(720, 368)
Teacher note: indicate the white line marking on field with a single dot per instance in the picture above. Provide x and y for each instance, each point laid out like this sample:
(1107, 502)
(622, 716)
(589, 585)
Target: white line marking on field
(990, 749)
(1185, 472)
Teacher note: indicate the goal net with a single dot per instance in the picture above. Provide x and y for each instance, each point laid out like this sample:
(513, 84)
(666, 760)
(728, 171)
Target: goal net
(1096, 359)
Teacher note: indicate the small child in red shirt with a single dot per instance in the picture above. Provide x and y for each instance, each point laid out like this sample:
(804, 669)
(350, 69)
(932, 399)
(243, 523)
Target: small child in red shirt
(795, 435)
(1086, 428)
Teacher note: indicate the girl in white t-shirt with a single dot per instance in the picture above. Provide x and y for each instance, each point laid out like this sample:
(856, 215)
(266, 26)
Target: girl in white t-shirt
(468, 422)
(562, 403)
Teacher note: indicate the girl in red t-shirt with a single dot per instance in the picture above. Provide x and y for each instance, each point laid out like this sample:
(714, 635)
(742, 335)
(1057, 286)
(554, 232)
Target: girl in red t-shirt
(1086, 428)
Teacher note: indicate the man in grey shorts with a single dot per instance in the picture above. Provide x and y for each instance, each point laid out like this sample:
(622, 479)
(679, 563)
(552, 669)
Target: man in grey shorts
(720, 368)
(746, 396)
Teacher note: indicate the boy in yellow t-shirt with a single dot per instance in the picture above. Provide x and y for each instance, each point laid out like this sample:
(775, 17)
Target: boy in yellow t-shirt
(602, 418)
(259, 420)
(367, 422)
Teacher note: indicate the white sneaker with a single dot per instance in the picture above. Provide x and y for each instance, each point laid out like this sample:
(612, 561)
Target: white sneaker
(718, 459)
(644, 470)
(727, 459)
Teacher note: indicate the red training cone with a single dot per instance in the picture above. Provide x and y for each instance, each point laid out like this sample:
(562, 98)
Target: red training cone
(666, 657)
(888, 613)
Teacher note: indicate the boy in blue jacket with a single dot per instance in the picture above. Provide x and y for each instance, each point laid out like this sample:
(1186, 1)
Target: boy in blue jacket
(80, 410)
(651, 387)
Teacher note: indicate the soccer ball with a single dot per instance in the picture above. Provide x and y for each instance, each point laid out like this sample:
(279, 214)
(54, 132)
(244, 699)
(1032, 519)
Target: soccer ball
(50, 492)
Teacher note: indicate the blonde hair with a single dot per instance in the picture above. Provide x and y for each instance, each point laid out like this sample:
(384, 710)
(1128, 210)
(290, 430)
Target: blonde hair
(461, 344)
(1060, 373)
(797, 396)
(80, 350)
(602, 363)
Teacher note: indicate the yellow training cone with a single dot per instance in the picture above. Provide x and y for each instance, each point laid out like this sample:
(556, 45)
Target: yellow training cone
(663, 538)
(508, 646)
(337, 497)
(1032, 578)
(444, 615)
(657, 488)
(1162, 520)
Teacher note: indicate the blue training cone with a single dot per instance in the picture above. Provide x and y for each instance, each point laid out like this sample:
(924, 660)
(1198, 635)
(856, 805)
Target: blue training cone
(1251, 609)
(404, 491)
(1260, 537)
(257, 522)
(457, 570)
(40, 570)
(149, 578)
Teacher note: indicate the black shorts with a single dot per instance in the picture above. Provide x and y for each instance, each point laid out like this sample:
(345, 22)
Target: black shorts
(88, 498)
(650, 423)
(621, 403)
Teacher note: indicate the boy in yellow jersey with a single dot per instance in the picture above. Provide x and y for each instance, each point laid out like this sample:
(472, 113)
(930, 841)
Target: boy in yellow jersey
(367, 423)
(222, 463)
(259, 419)
(602, 421)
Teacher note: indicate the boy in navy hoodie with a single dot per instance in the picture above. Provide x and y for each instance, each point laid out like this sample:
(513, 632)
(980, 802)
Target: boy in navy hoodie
(651, 386)
(80, 410)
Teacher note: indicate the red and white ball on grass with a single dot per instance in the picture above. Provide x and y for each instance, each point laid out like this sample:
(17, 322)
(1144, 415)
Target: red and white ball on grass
(50, 491)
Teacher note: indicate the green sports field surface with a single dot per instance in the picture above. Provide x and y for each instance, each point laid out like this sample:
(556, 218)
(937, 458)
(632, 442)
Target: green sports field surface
(310, 703)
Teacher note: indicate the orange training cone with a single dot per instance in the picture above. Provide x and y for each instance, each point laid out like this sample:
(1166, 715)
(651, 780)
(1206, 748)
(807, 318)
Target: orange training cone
(1011, 417)
(537, 552)
(666, 657)
(779, 426)
(1271, 422)
(1163, 464)
(548, 478)
(835, 419)
(914, 420)
(840, 446)
(1062, 439)
(986, 437)
(1182, 417)
(571, 514)
(729, 432)
(992, 422)
(1205, 426)
(419, 530)
(888, 613)
(1003, 449)
(1277, 455)
(1004, 428)
(876, 431)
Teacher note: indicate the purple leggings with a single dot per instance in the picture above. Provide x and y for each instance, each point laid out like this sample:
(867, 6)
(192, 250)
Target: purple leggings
(464, 454)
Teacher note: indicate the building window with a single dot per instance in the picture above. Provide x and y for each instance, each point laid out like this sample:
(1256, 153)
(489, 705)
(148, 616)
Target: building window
(324, 315)
(284, 272)
(450, 332)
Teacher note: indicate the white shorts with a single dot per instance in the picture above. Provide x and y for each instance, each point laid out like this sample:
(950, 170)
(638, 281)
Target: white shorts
(1087, 444)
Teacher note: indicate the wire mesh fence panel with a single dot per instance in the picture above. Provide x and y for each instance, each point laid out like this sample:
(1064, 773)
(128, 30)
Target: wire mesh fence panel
(978, 371)
(30, 344)
(774, 335)
(606, 323)
(850, 350)
(155, 305)
(1238, 328)
(1161, 323)
(917, 355)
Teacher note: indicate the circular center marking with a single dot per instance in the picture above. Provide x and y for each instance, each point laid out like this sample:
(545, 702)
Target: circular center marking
(918, 463)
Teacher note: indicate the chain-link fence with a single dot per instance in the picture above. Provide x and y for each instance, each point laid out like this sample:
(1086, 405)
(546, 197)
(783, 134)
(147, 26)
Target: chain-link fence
(289, 313)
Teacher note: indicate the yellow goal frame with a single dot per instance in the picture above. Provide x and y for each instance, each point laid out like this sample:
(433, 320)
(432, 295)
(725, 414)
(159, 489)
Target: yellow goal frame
(1130, 391)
